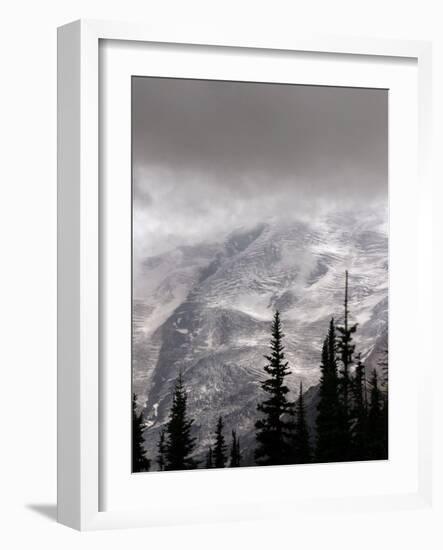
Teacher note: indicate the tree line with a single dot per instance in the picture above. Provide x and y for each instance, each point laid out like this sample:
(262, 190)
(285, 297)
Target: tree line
(351, 417)
(176, 444)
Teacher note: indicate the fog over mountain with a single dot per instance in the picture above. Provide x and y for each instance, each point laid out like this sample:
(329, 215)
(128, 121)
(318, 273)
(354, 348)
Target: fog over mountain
(224, 154)
(248, 198)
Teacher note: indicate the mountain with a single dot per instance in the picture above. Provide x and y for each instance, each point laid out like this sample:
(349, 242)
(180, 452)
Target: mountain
(206, 310)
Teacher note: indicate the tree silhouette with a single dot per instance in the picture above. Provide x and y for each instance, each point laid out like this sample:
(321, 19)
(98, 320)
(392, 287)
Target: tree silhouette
(376, 426)
(302, 446)
(140, 463)
(235, 451)
(220, 447)
(359, 413)
(273, 430)
(161, 450)
(346, 350)
(328, 447)
(180, 444)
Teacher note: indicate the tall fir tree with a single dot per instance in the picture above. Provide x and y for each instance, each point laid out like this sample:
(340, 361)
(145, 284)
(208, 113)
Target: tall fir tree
(359, 449)
(235, 451)
(376, 427)
(140, 462)
(180, 444)
(209, 459)
(220, 446)
(275, 429)
(328, 447)
(346, 350)
(302, 446)
(161, 450)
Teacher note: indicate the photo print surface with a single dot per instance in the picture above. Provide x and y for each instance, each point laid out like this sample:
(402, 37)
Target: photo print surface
(259, 274)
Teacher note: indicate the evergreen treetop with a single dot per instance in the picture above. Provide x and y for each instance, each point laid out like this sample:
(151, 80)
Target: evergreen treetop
(180, 444)
(220, 446)
(327, 423)
(274, 429)
(346, 348)
(140, 462)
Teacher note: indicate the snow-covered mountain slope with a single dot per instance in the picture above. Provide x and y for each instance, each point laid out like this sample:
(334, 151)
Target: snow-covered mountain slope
(206, 310)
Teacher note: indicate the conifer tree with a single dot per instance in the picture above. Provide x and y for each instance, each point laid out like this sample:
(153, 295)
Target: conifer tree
(161, 450)
(180, 444)
(220, 447)
(274, 431)
(376, 434)
(302, 446)
(346, 350)
(328, 446)
(140, 463)
(235, 451)
(209, 459)
(359, 413)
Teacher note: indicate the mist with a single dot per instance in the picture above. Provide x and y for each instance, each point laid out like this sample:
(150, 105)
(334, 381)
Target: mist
(212, 156)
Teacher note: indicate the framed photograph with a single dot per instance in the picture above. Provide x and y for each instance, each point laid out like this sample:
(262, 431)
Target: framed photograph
(242, 227)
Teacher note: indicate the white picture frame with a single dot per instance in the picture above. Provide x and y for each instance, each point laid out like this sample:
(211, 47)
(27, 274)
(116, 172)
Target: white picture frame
(79, 259)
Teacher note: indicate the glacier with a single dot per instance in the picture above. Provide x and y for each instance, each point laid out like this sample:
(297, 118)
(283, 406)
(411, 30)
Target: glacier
(206, 309)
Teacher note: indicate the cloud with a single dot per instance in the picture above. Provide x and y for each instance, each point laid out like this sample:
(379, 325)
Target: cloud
(209, 156)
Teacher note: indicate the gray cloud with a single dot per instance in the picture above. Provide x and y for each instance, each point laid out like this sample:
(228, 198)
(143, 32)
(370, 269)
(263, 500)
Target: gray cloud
(210, 155)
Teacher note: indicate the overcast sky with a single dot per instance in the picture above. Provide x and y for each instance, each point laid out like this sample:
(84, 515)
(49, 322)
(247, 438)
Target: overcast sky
(211, 156)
